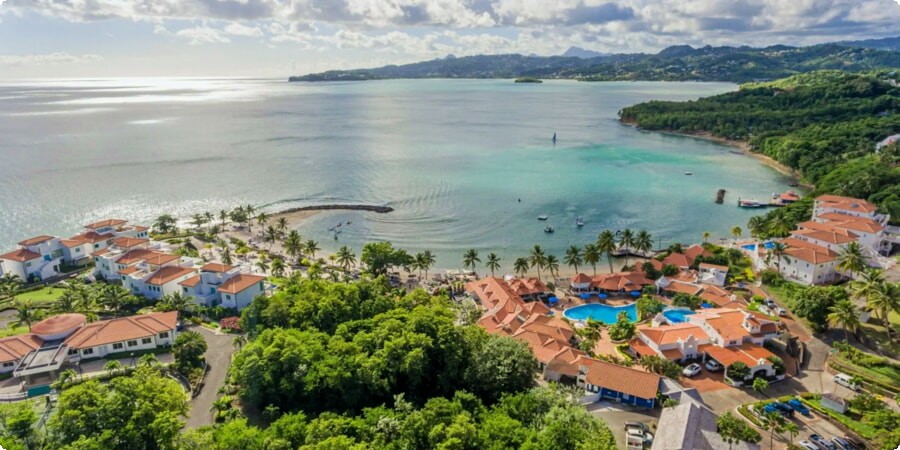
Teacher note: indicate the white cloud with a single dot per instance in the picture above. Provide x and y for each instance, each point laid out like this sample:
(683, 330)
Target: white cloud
(202, 35)
(47, 58)
(237, 29)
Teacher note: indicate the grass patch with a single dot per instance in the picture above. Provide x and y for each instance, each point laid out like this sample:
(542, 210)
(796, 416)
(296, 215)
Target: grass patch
(13, 331)
(877, 333)
(45, 294)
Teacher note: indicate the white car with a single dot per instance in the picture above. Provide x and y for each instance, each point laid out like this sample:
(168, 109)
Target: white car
(691, 370)
(846, 381)
(713, 366)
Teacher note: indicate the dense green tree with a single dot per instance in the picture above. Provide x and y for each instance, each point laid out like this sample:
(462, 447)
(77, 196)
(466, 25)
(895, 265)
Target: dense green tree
(815, 304)
(734, 430)
(380, 257)
(188, 351)
(502, 365)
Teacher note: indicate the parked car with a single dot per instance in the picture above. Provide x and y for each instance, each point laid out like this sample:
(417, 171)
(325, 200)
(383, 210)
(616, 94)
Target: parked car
(822, 442)
(779, 408)
(798, 406)
(639, 425)
(842, 443)
(713, 366)
(855, 443)
(691, 370)
(771, 304)
(846, 381)
(808, 445)
(781, 311)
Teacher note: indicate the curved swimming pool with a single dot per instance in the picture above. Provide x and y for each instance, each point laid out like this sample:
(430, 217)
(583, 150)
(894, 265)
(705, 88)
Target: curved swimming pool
(600, 312)
(677, 315)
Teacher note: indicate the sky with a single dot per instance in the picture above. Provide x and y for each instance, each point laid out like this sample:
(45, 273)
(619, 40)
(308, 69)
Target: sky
(278, 38)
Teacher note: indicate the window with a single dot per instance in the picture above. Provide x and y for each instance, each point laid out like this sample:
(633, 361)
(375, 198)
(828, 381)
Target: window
(184, 289)
(146, 341)
(8, 364)
(28, 264)
(73, 351)
(118, 346)
(87, 351)
(164, 335)
(132, 343)
(77, 249)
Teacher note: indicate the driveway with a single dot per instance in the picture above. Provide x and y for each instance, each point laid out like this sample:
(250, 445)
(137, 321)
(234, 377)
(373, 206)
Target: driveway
(220, 347)
(615, 417)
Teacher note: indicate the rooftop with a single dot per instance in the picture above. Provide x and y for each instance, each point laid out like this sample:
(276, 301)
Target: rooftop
(36, 240)
(20, 255)
(216, 267)
(58, 324)
(167, 274)
(122, 329)
(620, 378)
(105, 223)
(240, 283)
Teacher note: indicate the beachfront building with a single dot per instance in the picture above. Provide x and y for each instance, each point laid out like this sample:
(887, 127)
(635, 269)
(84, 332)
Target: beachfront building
(67, 339)
(611, 283)
(606, 381)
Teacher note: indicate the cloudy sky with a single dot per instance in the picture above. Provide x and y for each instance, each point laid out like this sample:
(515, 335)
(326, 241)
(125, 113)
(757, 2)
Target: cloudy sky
(91, 38)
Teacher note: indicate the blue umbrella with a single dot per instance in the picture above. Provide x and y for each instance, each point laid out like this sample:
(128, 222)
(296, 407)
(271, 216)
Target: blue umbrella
(602, 295)
(585, 296)
(635, 293)
(705, 305)
(553, 300)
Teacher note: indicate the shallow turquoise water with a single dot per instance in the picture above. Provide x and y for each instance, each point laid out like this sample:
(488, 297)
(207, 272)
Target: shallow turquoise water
(453, 157)
(600, 312)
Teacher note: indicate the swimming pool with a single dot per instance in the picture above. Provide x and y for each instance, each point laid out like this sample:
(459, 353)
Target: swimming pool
(769, 245)
(603, 313)
(677, 315)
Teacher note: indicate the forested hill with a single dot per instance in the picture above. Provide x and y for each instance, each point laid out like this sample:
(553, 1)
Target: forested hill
(677, 63)
(823, 124)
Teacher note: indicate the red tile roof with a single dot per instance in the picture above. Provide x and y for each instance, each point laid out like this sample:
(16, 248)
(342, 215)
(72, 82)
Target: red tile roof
(122, 329)
(191, 282)
(581, 279)
(128, 242)
(713, 266)
(216, 267)
(106, 223)
(622, 379)
(748, 354)
(845, 203)
(58, 324)
(35, 240)
(240, 283)
(69, 243)
(683, 288)
(129, 270)
(14, 348)
(167, 274)
(832, 237)
(621, 281)
(20, 255)
(92, 237)
(671, 334)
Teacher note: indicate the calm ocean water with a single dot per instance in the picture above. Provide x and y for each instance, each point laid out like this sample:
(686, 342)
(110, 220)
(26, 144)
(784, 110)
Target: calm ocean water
(453, 157)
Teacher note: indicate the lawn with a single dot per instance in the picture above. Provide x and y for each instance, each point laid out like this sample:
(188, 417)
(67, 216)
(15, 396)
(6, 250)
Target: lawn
(43, 295)
(876, 332)
(10, 331)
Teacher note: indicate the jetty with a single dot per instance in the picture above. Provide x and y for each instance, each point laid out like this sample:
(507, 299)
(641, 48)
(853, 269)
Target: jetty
(371, 208)
(720, 196)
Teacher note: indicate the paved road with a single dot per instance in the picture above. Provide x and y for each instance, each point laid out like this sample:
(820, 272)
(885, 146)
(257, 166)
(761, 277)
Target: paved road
(615, 417)
(218, 357)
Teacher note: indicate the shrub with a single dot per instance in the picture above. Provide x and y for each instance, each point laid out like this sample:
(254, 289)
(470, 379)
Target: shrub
(231, 324)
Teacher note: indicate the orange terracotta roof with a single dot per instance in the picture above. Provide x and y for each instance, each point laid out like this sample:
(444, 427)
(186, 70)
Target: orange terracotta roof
(216, 267)
(58, 324)
(696, 250)
(92, 237)
(683, 288)
(35, 240)
(240, 283)
(100, 252)
(621, 281)
(129, 270)
(727, 322)
(713, 266)
(565, 362)
(20, 255)
(798, 243)
(671, 334)
(149, 256)
(69, 243)
(672, 354)
(128, 242)
(544, 347)
(14, 348)
(140, 228)
(641, 348)
(677, 259)
(527, 286)
(122, 329)
(191, 282)
(167, 274)
(846, 203)
(622, 379)
(581, 278)
(832, 237)
(748, 354)
(809, 255)
(106, 223)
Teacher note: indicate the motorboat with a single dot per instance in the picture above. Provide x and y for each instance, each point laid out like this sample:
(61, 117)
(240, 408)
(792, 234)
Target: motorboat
(548, 229)
(689, 173)
(542, 217)
(579, 222)
(750, 204)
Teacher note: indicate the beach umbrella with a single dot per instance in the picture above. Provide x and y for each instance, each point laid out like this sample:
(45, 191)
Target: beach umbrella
(585, 296)
(635, 293)
(601, 295)
(705, 305)
(553, 300)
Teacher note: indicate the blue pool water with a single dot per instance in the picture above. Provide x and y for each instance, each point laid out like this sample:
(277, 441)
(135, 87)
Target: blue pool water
(677, 315)
(603, 313)
(769, 245)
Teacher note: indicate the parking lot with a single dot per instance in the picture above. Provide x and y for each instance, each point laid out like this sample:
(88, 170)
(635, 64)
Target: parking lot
(815, 424)
(615, 417)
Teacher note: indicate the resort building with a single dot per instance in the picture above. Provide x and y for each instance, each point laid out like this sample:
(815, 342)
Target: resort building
(67, 339)
(685, 259)
(606, 381)
(692, 425)
(611, 283)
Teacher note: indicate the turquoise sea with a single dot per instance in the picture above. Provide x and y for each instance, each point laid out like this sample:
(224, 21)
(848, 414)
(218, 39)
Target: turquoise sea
(453, 157)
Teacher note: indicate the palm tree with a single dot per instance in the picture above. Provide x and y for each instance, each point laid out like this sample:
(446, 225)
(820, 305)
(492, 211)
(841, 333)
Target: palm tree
(9, 286)
(793, 430)
(851, 258)
(66, 303)
(470, 257)
(592, 256)
(606, 243)
(643, 242)
(777, 251)
(736, 232)
(843, 314)
(282, 225)
(884, 299)
(492, 262)
(345, 258)
(293, 244)
(208, 217)
(26, 314)
(552, 265)
(706, 235)
(428, 261)
(271, 235)
(197, 220)
(165, 224)
(520, 266)
(262, 219)
(626, 241)
(774, 423)
(312, 247)
(757, 226)
(868, 283)
(262, 265)
(226, 256)
(573, 257)
(176, 302)
(114, 297)
(224, 216)
(112, 367)
(278, 267)
(538, 259)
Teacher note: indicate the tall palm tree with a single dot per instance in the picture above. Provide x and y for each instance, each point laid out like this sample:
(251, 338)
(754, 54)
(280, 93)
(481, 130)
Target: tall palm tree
(208, 217)
(262, 219)
(470, 257)
(312, 247)
(538, 259)
(293, 244)
(262, 265)
(779, 226)
(736, 232)
(777, 251)
(573, 257)
(843, 314)
(643, 242)
(9, 286)
(606, 243)
(552, 265)
(281, 225)
(705, 236)
(492, 262)
(757, 226)
(226, 256)
(884, 299)
(26, 314)
(626, 240)
(176, 302)
(114, 297)
(345, 258)
(592, 256)
(774, 423)
(66, 303)
(852, 258)
(197, 220)
(224, 216)
(428, 261)
(271, 235)
(520, 266)
(278, 267)
(869, 282)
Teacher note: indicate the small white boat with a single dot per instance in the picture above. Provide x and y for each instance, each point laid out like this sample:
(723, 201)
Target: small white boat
(548, 229)
(579, 222)
(542, 217)
(689, 173)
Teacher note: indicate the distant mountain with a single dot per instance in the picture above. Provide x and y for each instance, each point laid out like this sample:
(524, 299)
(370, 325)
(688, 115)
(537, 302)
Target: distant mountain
(891, 43)
(578, 52)
(676, 63)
